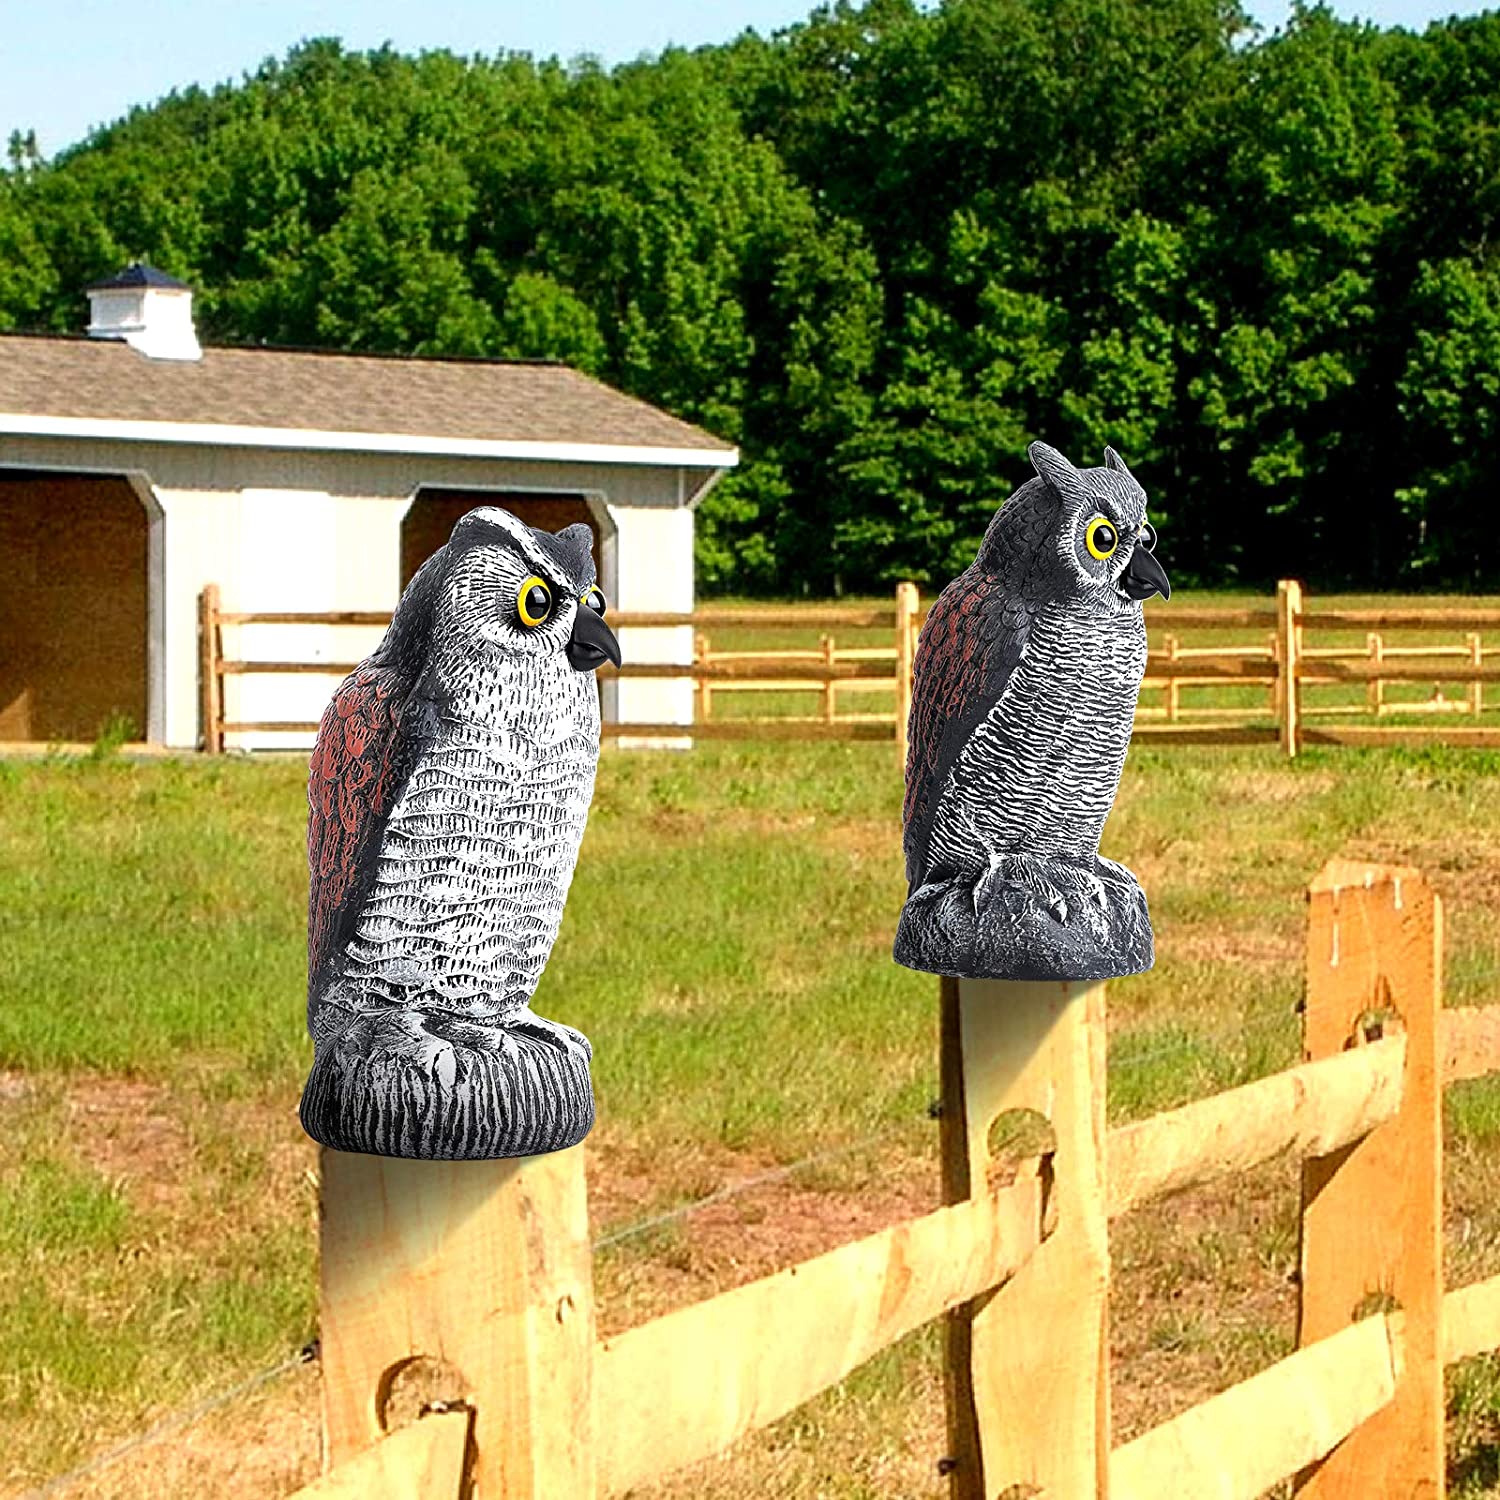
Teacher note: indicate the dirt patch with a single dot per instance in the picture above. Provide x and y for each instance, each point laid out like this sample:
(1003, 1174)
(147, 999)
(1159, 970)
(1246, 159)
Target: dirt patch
(864, 840)
(1202, 1295)
(752, 1227)
(1251, 950)
(265, 1445)
(170, 1155)
(126, 1131)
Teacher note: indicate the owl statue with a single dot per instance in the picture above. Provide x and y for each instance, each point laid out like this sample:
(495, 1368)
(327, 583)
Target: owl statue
(449, 788)
(1023, 695)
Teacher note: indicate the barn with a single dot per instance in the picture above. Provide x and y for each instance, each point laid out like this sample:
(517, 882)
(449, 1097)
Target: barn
(137, 467)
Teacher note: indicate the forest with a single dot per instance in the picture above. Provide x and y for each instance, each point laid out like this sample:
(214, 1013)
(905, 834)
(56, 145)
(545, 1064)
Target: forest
(881, 251)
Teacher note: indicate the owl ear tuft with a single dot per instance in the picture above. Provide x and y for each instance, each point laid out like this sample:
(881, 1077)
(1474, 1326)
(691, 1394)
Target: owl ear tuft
(1112, 460)
(1056, 470)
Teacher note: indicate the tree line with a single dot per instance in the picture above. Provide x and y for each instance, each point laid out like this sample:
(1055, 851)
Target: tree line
(881, 251)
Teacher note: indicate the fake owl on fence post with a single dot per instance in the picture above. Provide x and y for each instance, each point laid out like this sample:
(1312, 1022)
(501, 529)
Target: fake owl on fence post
(448, 793)
(1023, 697)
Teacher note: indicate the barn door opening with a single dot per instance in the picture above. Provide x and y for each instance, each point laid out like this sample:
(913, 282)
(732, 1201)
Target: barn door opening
(434, 513)
(74, 621)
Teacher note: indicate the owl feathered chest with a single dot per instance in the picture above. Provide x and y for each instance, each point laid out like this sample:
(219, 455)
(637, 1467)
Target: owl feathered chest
(479, 848)
(1042, 765)
(1095, 660)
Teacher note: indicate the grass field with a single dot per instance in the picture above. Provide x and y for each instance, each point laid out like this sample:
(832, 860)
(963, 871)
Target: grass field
(726, 948)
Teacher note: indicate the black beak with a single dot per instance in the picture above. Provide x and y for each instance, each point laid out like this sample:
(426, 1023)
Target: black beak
(592, 643)
(1145, 576)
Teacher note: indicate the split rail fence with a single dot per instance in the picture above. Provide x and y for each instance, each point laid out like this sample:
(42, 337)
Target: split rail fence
(1282, 662)
(472, 1281)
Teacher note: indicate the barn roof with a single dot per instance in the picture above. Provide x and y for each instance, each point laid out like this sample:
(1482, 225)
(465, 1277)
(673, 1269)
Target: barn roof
(313, 399)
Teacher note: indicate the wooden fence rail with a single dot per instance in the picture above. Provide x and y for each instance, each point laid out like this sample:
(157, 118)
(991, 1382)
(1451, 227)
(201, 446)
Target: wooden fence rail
(478, 1275)
(1281, 662)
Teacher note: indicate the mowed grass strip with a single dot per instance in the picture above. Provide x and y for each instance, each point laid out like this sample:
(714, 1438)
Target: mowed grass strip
(726, 948)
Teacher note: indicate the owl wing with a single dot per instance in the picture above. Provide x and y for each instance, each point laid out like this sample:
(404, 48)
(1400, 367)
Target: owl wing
(974, 637)
(363, 758)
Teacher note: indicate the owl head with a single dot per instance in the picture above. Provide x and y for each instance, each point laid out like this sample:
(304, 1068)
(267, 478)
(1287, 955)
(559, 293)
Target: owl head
(501, 586)
(1103, 537)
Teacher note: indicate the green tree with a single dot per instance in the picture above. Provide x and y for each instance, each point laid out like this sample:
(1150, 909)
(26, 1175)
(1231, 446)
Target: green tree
(882, 250)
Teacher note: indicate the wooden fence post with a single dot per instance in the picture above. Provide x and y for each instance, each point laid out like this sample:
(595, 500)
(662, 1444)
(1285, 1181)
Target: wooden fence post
(210, 702)
(906, 640)
(1476, 689)
(830, 688)
(463, 1283)
(1027, 1366)
(701, 688)
(1372, 1212)
(1375, 688)
(1173, 686)
(1289, 661)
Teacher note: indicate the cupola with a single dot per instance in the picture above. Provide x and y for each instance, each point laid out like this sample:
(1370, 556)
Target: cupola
(151, 311)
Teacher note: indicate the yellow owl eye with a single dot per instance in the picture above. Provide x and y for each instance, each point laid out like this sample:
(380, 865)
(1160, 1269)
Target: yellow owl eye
(1101, 538)
(593, 598)
(534, 602)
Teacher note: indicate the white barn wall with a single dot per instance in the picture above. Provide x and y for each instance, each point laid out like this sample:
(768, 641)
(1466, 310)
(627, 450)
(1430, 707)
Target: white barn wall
(198, 536)
(656, 573)
(288, 553)
(321, 531)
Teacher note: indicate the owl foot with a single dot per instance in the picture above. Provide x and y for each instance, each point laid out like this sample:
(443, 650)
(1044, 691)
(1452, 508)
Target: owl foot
(1028, 916)
(403, 1081)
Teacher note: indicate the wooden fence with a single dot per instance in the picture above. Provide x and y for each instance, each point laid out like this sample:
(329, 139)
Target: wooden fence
(472, 1282)
(1281, 660)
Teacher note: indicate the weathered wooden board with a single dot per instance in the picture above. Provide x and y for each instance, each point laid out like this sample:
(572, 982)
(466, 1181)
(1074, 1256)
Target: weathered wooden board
(1452, 620)
(1408, 671)
(757, 669)
(1203, 734)
(423, 1461)
(1460, 737)
(1471, 1320)
(1236, 1445)
(1028, 1381)
(236, 667)
(484, 1266)
(689, 1384)
(1372, 1212)
(1179, 617)
(210, 689)
(1289, 655)
(1312, 1110)
(757, 729)
(907, 605)
(813, 617)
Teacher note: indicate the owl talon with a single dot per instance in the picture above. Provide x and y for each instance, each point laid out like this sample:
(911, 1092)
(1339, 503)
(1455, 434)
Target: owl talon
(432, 1084)
(1016, 882)
(552, 1034)
(1028, 917)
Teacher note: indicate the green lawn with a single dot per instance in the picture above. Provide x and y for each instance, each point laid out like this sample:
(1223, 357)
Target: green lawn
(726, 948)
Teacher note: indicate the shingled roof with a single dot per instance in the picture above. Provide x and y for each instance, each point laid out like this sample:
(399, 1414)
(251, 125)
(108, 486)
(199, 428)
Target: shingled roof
(314, 399)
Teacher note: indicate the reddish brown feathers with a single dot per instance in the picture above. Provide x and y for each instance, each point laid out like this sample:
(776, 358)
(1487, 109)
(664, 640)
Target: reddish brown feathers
(946, 675)
(353, 781)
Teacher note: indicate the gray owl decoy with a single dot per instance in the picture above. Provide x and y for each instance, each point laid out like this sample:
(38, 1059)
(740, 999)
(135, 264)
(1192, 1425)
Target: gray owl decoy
(1023, 697)
(449, 788)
